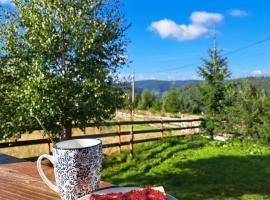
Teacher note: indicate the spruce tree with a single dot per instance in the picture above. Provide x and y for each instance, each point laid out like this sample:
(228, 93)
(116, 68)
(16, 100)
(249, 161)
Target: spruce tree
(147, 100)
(170, 100)
(214, 71)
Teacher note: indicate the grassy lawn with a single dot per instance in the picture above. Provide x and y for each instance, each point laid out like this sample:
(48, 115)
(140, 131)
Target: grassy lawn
(195, 169)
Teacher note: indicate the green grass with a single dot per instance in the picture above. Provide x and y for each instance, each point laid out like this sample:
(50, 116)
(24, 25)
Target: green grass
(195, 169)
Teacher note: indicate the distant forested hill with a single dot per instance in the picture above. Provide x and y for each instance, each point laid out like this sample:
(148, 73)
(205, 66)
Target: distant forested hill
(261, 83)
(160, 86)
(189, 87)
(188, 92)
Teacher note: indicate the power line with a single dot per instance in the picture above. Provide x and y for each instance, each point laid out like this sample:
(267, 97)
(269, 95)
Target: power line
(225, 54)
(246, 47)
(173, 69)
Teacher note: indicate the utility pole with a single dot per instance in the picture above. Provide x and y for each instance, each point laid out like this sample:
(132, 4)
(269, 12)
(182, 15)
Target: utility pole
(214, 44)
(133, 88)
(132, 115)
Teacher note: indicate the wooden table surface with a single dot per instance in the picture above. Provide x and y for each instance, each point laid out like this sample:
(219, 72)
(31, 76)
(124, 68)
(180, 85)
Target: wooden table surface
(19, 179)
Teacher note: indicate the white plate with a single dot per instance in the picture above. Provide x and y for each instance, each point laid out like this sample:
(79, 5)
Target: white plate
(119, 189)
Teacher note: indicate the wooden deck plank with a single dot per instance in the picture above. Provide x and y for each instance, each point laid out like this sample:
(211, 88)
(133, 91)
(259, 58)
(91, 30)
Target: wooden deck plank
(19, 179)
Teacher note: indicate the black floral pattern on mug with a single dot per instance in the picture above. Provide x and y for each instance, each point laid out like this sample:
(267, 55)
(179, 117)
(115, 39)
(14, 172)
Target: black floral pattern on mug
(77, 171)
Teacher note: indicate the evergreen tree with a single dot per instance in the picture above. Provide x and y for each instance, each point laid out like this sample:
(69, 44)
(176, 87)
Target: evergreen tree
(248, 112)
(58, 64)
(214, 71)
(190, 99)
(170, 101)
(157, 106)
(147, 100)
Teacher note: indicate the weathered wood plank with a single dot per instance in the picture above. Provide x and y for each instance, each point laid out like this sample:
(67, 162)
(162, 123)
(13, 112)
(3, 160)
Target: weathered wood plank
(20, 181)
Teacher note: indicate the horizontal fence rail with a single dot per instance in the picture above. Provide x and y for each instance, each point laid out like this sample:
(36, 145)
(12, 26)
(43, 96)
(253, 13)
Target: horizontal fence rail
(142, 122)
(119, 133)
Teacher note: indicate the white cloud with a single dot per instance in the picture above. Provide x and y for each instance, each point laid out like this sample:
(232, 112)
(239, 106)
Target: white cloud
(165, 27)
(256, 72)
(168, 76)
(168, 28)
(238, 13)
(259, 72)
(205, 18)
(200, 25)
(4, 2)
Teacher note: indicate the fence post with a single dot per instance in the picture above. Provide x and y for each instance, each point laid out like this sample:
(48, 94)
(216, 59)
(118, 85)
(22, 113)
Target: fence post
(191, 129)
(49, 146)
(161, 128)
(119, 135)
(131, 146)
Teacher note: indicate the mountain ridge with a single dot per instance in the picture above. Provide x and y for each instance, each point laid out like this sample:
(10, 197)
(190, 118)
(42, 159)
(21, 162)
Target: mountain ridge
(161, 86)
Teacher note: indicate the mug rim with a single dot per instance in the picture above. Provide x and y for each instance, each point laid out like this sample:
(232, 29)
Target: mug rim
(55, 145)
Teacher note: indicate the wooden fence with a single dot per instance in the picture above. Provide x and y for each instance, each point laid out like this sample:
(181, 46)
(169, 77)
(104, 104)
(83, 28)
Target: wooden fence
(118, 133)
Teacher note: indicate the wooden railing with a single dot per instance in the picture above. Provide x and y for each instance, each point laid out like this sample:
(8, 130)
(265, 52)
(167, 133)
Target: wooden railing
(118, 133)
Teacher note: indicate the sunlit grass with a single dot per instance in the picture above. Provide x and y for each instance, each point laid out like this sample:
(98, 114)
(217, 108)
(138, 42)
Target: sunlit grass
(195, 169)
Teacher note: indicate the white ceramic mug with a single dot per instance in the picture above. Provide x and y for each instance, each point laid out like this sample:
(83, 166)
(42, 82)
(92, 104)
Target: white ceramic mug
(77, 166)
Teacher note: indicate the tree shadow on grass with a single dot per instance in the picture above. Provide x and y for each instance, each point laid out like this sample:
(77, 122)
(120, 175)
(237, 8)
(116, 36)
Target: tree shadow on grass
(156, 161)
(222, 177)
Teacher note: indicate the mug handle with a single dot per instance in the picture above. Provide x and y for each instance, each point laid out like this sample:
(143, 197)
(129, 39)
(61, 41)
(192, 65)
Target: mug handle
(41, 172)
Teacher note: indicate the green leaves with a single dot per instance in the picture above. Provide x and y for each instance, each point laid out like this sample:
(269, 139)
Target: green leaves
(171, 101)
(147, 101)
(58, 64)
(248, 114)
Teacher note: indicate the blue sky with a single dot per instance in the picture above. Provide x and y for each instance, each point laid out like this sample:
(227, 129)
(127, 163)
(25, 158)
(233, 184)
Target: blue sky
(173, 34)
(169, 38)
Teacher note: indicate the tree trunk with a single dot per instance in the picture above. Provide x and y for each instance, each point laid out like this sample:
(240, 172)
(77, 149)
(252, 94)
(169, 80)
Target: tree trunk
(211, 136)
(68, 133)
(68, 130)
